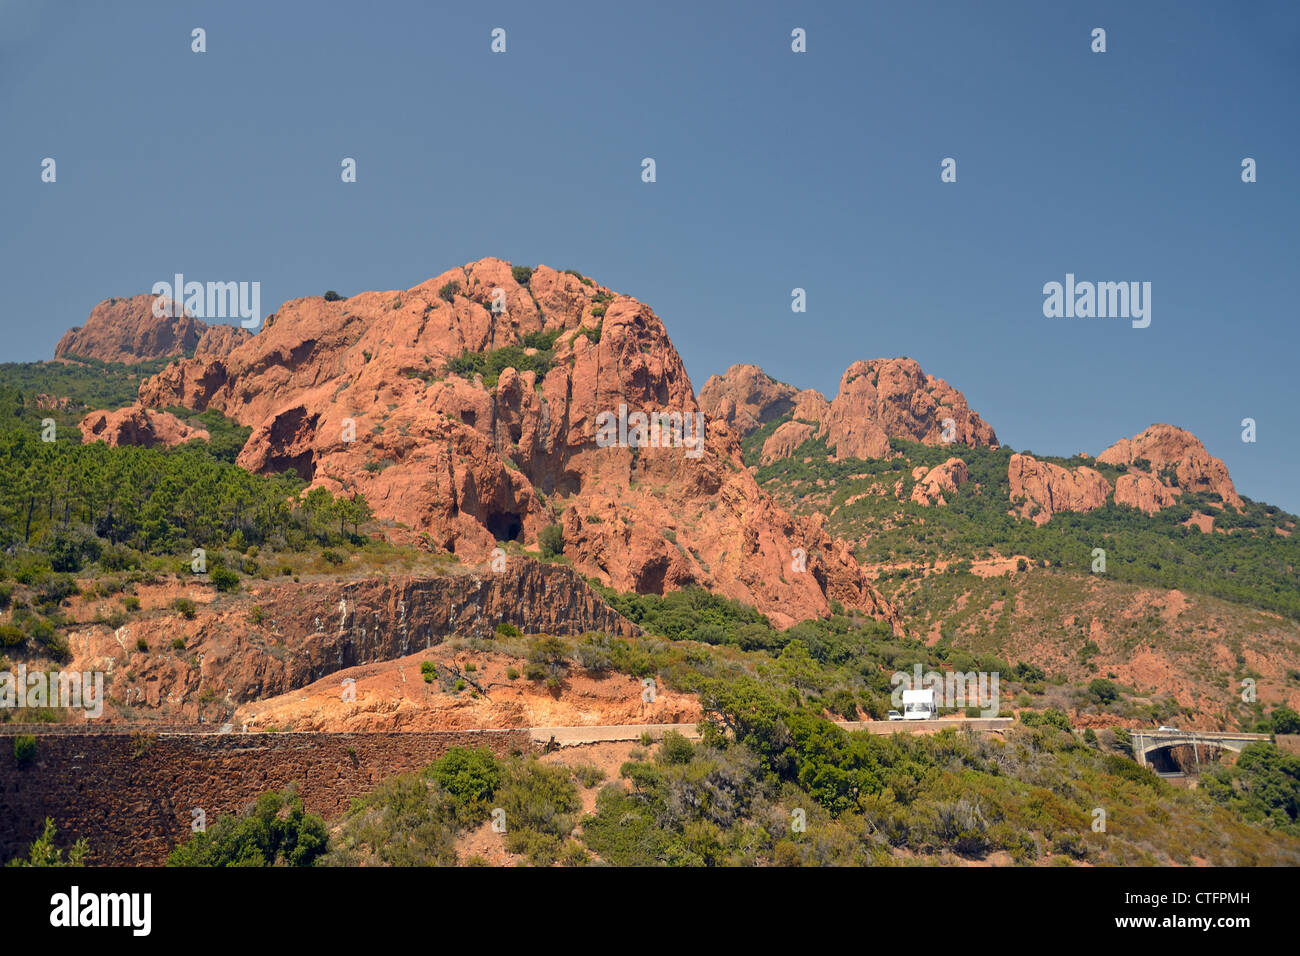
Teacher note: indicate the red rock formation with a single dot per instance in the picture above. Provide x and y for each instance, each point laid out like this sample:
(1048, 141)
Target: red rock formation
(325, 626)
(126, 330)
(947, 477)
(221, 340)
(900, 401)
(746, 397)
(1043, 489)
(783, 442)
(356, 395)
(1143, 492)
(136, 425)
(1167, 447)
(810, 406)
(878, 400)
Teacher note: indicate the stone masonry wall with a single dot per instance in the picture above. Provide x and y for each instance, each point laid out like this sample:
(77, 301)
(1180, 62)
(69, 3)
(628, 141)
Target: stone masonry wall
(131, 794)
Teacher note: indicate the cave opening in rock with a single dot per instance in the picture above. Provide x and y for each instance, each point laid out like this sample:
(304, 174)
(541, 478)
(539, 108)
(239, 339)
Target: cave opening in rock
(505, 526)
(650, 579)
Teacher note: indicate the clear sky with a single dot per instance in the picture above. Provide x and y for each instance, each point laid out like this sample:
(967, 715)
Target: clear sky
(775, 170)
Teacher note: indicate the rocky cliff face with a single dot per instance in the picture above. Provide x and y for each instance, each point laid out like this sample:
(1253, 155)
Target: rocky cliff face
(313, 629)
(746, 398)
(358, 395)
(1042, 489)
(126, 330)
(219, 340)
(948, 477)
(878, 400)
(1164, 461)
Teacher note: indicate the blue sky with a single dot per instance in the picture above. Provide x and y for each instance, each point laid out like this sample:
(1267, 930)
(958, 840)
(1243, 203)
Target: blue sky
(775, 170)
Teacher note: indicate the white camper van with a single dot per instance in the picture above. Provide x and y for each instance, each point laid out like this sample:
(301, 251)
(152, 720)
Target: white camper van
(920, 704)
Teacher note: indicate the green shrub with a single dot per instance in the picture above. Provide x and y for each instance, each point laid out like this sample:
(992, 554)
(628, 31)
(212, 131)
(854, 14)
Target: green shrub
(186, 608)
(332, 296)
(1102, 691)
(448, 291)
(594, 654)
(512, 673)
(276, 830)
(1285, 721)
(24, 749)
(224, 579)
(470, 777)
(178, 643)
(141, 644)
(541, 803)
(1051, 717)
(506, 629)
(588, 775)
(521, 274)
(332, 557)
(542, 341)
(551, 539)
(676, 749)
(43, 852)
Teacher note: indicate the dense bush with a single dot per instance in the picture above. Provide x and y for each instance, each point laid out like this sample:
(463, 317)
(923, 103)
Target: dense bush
(276, 829)
(1263, 785)
(491, 364)
(551, 540)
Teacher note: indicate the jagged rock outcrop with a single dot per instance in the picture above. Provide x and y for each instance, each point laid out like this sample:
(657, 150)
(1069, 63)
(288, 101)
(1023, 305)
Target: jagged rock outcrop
(126, 330)
(878, 400)
(948, 477)
(1043, 489)
(893, 398)
(1175, 460)
(137, 425)
(221, 340)
(1143, 492)
(746, 398)
(783, 442)
(359, 395)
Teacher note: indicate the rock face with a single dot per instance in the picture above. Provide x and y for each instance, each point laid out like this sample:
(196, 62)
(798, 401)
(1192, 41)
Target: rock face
(137, 425)
(787, 437)
(310, 630)
(1176, 462)
(358, 395)
(746, 398)
(126, 330)
(878, 400)
(1143, 492)
(947, 477)
(898, 400)
(1042, 489)
(220, 340)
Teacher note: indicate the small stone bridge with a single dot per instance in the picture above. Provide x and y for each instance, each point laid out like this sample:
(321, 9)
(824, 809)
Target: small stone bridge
(1147, 744)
